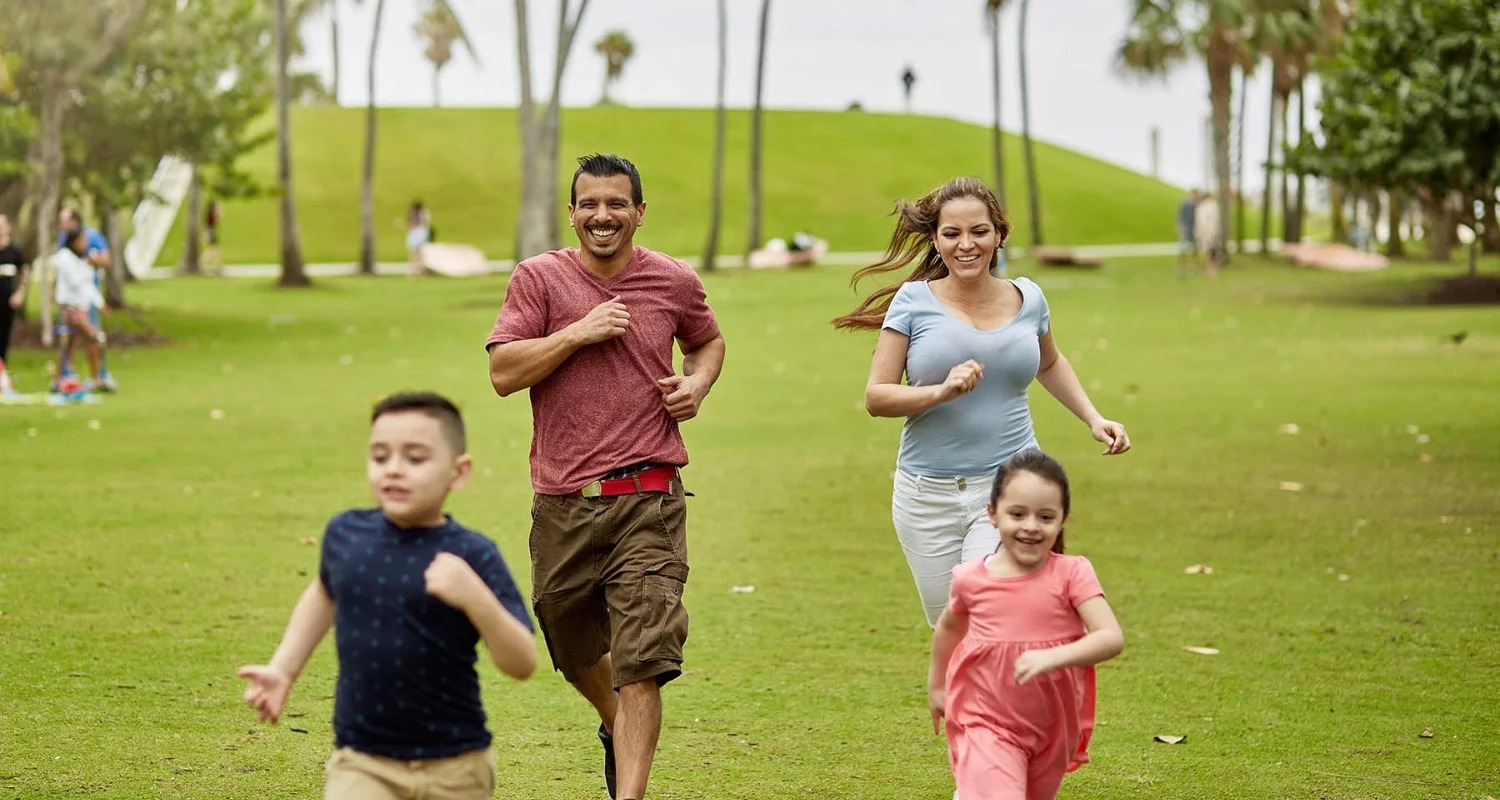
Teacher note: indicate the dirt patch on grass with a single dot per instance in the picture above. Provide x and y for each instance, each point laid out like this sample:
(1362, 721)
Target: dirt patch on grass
(1462, 290)
(126, 329)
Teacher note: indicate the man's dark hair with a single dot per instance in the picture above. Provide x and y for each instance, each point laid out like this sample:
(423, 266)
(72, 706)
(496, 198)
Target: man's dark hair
(433, 405)
(601, 165)
(72, 214)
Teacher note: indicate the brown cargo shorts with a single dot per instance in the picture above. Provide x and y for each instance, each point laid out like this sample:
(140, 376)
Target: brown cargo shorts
(607, 575)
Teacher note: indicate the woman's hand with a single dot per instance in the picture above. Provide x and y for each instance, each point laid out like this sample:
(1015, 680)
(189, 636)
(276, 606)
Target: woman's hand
(961, 380)
(1112, 434)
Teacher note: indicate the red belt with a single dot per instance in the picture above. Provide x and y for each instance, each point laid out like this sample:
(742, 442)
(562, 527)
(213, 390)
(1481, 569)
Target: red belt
(655, 479)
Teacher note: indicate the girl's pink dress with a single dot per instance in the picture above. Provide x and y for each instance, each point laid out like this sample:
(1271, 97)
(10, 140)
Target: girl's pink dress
(1007, 741)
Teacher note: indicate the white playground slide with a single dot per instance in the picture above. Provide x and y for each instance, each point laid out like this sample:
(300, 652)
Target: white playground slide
(153, 218)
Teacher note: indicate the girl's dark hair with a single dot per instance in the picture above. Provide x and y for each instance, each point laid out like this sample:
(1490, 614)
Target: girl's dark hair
(1043, 466)
(915, 237)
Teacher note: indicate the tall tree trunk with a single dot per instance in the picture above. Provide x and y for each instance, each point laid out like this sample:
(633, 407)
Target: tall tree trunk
(1439, 225)
(192, 262)
(367, 185)
(716, 190)
(1340, 232)
(1294, 232)
(996, 144)
(536, 220)
(1394, 206)
(1220, 89)
(1239, 164)
(753, 235)
(1278, 108)
(1372, 206)
(1289, 216)
(54, 106)
(114, 278)
(333, 13)
(293, 272)
(1033, 192)
(1491, 223)
(437, 88)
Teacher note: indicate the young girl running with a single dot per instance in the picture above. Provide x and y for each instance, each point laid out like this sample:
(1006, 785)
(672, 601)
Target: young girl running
(1013, 654)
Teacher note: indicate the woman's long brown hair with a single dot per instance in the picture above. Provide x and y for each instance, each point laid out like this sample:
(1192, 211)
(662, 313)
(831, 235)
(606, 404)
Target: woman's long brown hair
(915, 238)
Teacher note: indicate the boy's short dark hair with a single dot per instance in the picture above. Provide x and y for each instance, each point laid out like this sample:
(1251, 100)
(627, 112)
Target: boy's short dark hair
(433, 405)
(602, 165)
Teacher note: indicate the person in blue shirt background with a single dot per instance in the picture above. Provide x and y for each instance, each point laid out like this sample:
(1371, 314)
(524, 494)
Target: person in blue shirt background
(68, 221)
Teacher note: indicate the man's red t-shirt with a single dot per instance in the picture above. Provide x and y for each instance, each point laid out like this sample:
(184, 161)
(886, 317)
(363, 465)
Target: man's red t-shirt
(602, 409)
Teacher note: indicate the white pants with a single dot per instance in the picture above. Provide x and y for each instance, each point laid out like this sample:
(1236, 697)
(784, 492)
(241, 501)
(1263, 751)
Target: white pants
(941, 523)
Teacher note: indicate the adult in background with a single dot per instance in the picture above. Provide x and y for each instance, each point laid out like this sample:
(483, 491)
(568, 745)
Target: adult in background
(969, 343)
(14, 274)
(589, 331)
(418, 233)
(1187, 243)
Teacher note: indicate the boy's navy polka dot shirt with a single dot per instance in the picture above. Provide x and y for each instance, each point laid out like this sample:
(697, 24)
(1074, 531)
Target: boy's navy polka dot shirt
(407, 685)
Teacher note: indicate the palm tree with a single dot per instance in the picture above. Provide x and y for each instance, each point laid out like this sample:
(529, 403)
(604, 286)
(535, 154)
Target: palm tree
(716, 203)
(441, 28)
(1033, 192)
(1285, 34)
(753, 240)
(367, 185)
(617, 49)
(1163, 33)
(992, 8)
(292, 271)
(537, 218)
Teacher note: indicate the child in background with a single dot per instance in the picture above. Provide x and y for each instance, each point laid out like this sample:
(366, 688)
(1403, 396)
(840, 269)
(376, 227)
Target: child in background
(410, 593)
(77, 295)
(1012, 655)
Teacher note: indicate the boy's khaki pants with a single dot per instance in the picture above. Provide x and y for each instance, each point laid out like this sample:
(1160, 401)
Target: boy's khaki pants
(353, 775)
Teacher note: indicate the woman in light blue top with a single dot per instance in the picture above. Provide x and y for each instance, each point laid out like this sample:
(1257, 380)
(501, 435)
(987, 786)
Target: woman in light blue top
(969, 343)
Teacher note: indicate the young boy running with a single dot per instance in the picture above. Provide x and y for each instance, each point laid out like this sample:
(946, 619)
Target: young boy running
(411, 592)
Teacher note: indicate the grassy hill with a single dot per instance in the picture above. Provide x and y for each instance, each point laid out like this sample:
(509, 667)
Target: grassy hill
(834, 174)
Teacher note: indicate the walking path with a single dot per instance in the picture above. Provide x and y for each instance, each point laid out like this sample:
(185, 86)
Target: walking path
(731, 261)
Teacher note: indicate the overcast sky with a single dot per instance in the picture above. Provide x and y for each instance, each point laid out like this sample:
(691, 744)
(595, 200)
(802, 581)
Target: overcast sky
(822, 54)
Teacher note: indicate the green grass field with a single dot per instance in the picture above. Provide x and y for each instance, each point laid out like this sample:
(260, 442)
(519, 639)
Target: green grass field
(834, 174)
(145, 557)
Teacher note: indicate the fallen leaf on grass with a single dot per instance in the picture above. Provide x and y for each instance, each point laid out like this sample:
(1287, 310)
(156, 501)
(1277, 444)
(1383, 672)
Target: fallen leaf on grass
(1199, 569)
(32, 432)
(1203, 651)
(1291, 429)
(78, 674)
(1427, 734)
(298, 730)
(742, 589)
(1413, 430)
(1423, 438)
(93, 424)
(1290, 486)
(1343, 577)
(1426, 458)
(1445, 519)
(309, 540)
(216, 414)
(1165, 739)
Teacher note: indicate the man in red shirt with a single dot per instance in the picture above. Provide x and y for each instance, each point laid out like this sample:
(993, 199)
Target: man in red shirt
(589, 331)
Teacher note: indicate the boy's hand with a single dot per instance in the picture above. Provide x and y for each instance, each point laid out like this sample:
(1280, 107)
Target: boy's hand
(268, 689)
(451, 580)
(1031, 664)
